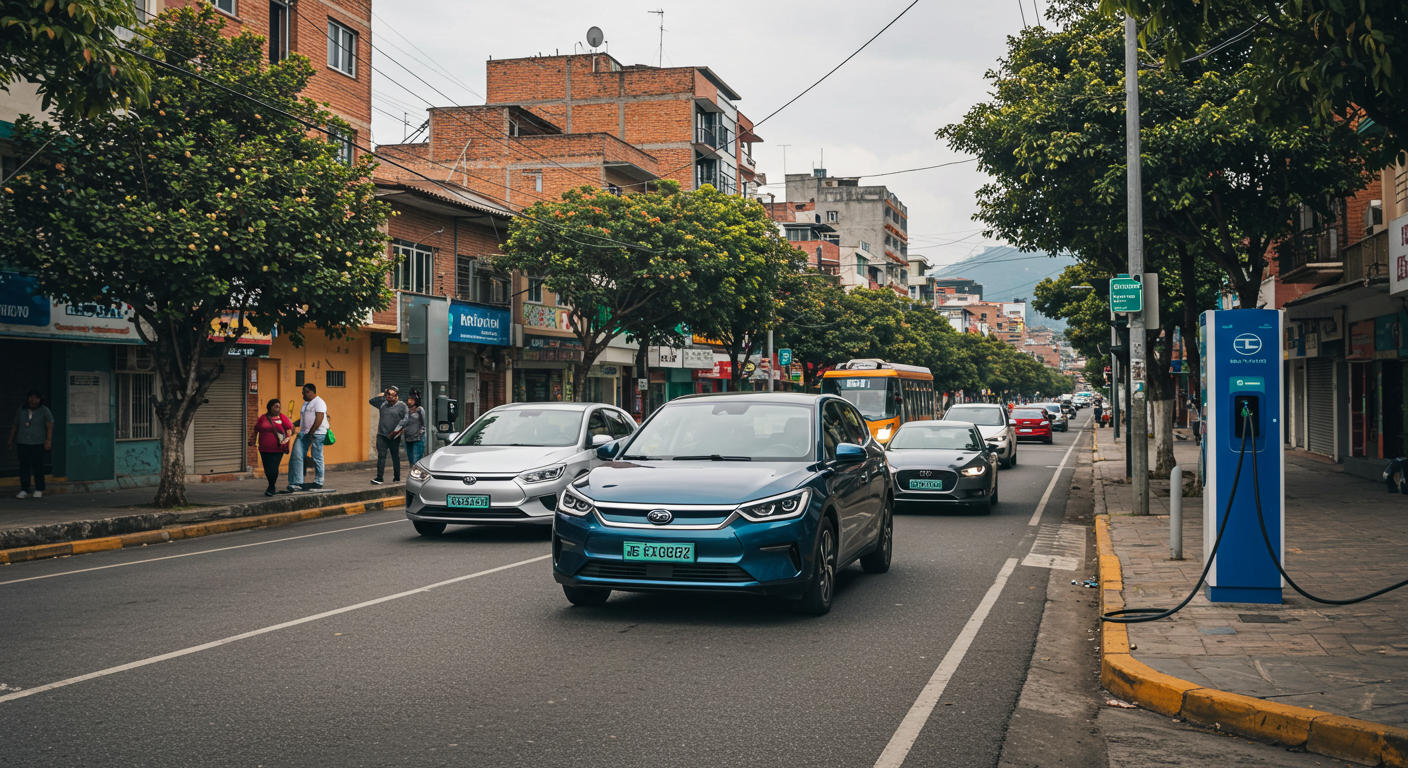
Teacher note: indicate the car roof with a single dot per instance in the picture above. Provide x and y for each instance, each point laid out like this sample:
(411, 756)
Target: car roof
(936, 423)
(975, 405)
(553, 406)
(799, 398)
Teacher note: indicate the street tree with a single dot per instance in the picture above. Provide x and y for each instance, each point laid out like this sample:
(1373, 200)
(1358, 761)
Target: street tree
(73, 52)
(207, 213)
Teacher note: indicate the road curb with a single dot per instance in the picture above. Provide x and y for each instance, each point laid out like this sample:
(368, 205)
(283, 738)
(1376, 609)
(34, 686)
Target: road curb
(192, 530)
(1334, 736)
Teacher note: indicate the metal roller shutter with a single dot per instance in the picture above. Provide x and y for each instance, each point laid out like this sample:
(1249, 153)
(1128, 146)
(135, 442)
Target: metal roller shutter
(1320, 405)
(219, 423)
(396, 371)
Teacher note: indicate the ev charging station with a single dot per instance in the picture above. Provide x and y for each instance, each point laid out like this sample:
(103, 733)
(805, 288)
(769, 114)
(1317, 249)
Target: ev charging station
(1241, 394)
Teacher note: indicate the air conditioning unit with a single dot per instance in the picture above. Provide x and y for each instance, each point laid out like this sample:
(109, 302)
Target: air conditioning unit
(135, 360)
(1373, 216)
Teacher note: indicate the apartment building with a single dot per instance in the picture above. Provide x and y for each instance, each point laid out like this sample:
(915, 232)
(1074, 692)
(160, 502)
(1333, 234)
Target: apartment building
(802, 227)
(869, 220)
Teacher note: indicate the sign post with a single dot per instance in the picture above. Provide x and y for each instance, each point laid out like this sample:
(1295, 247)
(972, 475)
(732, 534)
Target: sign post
(1126, 294)
(784, 357)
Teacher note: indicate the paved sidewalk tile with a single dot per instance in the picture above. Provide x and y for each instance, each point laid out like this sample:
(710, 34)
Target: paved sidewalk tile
(1344, 536)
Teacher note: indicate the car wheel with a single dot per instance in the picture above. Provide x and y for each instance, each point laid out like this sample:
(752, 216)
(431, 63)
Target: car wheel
(993, 496)
(428, 529)
(586, 597)
(816, 601)
(1013, 461)
(1007, 462)
(879, 560)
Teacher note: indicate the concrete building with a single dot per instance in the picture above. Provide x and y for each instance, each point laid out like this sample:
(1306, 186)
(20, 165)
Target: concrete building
(870, 221)
(960, 285)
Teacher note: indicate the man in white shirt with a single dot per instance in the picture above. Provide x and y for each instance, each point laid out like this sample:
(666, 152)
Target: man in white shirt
(312, 430)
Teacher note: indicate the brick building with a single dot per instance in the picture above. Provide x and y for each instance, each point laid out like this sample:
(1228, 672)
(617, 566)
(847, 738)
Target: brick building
(870, 222)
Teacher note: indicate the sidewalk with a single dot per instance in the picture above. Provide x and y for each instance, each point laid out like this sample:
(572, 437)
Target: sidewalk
(1344, 536)
(76, 516)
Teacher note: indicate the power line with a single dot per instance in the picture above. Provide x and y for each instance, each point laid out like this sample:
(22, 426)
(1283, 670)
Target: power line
(838, 66)
(892, 173)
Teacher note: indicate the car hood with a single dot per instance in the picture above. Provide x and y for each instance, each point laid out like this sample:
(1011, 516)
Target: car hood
(693, 482)
(490, 459)
(987, 432)
(930, 459)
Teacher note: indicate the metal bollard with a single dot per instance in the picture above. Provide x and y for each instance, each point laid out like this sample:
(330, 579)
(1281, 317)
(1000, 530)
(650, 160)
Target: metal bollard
(1175, 515)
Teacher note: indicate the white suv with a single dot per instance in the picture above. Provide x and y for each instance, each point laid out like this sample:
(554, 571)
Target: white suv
(991, 420)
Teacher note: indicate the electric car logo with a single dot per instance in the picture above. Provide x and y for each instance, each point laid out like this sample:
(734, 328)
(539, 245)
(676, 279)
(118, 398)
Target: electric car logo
(1247, 344)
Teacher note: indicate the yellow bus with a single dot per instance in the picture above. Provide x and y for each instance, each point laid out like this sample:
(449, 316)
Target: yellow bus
(887, 394)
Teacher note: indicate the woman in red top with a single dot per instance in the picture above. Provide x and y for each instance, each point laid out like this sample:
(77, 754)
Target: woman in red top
(273, 430)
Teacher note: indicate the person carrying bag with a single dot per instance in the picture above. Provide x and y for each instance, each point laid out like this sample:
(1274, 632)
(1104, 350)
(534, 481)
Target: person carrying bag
(274, 433)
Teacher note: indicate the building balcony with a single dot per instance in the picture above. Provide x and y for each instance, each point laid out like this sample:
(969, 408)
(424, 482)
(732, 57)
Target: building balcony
(717, 140)
(1310, 257)
(1367, 259)
(715, 177)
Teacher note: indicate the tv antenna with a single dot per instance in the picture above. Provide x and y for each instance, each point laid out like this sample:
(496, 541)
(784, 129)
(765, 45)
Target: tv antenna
(595, 36)
(661, 61)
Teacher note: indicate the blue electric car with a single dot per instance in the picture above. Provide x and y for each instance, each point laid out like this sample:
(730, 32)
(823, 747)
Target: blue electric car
(758, 492)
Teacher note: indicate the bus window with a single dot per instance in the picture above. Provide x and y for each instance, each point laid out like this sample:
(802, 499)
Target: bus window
(873, 396)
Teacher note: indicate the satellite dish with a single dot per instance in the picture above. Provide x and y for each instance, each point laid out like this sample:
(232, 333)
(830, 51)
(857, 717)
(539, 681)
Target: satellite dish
(595, 36)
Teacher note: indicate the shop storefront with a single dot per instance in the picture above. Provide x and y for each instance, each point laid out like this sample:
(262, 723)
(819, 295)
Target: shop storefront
(543, 371)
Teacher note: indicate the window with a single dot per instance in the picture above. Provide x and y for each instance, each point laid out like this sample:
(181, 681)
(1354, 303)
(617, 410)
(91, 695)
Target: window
(342, 48)
(861, 261)
(413, 266)
(534, 179)
(337, 378)
(135, 417)
(535, 290)
(299, 378)
(833, 216)
(620, 425)
(278, 31)
(228, 6)
(864, 246)
(596, 425)
(345, 144)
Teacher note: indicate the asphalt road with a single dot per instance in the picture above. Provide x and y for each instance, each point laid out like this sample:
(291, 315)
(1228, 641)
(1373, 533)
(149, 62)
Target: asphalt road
(355, 642)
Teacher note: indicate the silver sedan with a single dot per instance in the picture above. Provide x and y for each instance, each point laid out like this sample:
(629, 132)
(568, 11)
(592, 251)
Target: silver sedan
(510, 465)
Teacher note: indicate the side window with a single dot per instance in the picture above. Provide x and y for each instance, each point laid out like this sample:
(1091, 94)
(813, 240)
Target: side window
(833, 430)
(596, 425)
(618, 424)
(975, 440)
(855, 426)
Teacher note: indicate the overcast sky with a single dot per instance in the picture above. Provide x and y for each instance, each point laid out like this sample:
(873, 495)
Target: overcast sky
(876, 114)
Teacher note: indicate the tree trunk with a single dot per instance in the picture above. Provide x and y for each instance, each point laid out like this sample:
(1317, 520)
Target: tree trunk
(643, 372)
(172, 490)
(1163, 436)
(579, 379)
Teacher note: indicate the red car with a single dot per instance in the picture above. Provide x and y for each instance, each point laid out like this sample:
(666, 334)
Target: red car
(1031, 424)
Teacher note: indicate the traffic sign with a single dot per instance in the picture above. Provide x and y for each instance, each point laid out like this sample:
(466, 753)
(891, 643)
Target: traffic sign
(784, 357)
(1126, 294)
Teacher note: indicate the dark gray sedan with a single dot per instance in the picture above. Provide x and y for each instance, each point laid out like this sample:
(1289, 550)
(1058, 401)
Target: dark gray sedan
(942, 463)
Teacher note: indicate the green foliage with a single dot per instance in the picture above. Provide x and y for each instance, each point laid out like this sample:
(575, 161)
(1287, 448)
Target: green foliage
(71, 49)
(199, 205)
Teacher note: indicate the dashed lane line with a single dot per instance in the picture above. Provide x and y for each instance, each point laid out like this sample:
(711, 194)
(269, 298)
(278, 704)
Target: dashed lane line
(1045, 497)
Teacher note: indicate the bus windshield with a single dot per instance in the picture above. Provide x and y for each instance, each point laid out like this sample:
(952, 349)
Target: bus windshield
(873, 396)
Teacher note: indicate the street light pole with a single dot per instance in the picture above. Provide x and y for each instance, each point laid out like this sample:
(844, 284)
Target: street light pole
(770, 359)
(1138, 397)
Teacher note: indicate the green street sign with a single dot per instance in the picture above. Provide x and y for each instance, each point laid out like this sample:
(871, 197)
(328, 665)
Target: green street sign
(1126, 295)
(784, 357)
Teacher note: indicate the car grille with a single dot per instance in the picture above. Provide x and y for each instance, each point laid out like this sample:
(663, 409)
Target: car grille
(478, 514)
(697, 572)
(903, 477)
(711, 516)
(477, 478)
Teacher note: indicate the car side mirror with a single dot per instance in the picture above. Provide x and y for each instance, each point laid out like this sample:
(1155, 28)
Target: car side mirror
(600, 440)
(850, 453)
(608, 450)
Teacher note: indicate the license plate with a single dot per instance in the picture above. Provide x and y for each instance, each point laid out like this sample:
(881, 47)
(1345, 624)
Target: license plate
(470, 502)
(1024, 430)
(659, 553)
(926, 485)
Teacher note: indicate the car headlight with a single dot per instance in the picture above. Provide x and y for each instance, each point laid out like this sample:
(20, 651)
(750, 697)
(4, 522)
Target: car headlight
(573, 503)
(782, 507)
(884, 434)
(543, 475)
(996, 439)
(419, 474)
(974, 471)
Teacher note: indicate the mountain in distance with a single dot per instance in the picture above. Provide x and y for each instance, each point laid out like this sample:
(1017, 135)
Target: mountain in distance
(1006, 274)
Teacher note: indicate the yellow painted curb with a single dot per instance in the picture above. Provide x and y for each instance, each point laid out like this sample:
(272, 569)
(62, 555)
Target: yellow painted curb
(1335, 736)
(192, 530)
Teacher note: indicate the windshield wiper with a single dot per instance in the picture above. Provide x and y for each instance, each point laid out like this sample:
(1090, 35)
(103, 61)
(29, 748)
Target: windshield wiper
(640, 458)
(713, 457)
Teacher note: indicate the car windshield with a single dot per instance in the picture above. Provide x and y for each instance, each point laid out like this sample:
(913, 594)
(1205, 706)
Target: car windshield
(984, 417)
(703, 430)
(934, 438)
(873, 396)
(1028, 413)
(524, 426)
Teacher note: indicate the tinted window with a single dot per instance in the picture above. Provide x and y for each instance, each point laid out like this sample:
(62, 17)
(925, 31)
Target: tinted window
(983, 416)
(833, 430)
(524, 426)
(620, 426)
(936, 438)
(874, 396)
(1028, 413)
(855, 426)
(761, 431)
(596, 425)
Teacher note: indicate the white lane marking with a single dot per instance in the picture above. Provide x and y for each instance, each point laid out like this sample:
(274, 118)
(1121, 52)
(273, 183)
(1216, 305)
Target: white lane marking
(261, 631)
(1060, 547)
(202, 552)
(903, 740)
(1045, 497)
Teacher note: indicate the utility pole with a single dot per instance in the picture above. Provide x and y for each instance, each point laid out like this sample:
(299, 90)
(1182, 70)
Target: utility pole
(1138, 397)
(661, 62)
(770, 359)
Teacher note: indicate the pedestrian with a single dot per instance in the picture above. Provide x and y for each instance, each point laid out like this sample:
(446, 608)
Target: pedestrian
(388, 435)
(1099, 411)
(412, 430)
(312, 431)
(274, 432)
(32, 435)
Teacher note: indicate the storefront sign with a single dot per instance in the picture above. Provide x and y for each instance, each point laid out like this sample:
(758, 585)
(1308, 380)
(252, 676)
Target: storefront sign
(1312, 343)
(543, 316)
(24, 314)
(88, 397)
(473, 324)
(1386, 336)
(1333, 328)
(1361, 341)
(226, 324)
(698, 359)
(722, 369)
(1398, 256)
(666, 357)
(550, 348)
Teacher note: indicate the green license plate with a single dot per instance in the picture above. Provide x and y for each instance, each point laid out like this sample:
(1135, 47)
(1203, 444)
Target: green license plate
(470, 502)
(926, 485)
(659, 553)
